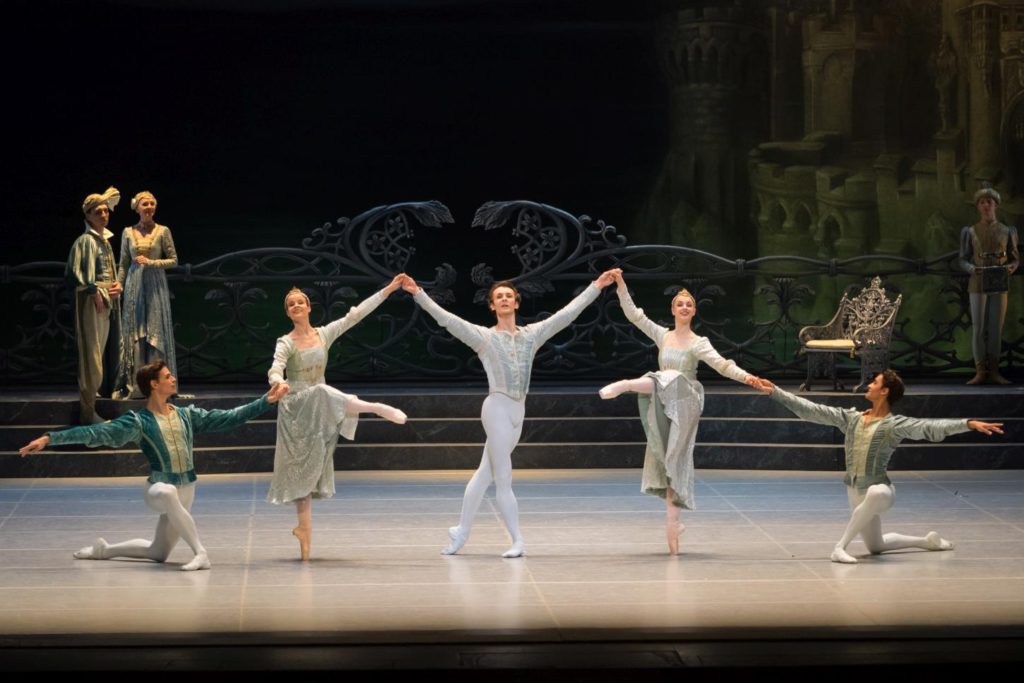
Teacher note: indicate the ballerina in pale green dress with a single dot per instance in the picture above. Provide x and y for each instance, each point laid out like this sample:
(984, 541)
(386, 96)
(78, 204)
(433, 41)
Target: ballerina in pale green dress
(671, 401)
(313, 414)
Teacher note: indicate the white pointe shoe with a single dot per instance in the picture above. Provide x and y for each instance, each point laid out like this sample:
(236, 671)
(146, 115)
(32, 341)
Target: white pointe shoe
(393, 415)
(612, 390)
(458, 540)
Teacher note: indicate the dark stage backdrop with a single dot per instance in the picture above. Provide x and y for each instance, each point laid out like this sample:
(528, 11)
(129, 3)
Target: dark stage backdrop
(254, 122)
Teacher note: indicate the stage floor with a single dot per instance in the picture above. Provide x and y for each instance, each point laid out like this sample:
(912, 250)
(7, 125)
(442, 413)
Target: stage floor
(754, 559)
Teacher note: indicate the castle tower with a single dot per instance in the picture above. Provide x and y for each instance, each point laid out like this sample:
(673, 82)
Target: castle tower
(715, 60)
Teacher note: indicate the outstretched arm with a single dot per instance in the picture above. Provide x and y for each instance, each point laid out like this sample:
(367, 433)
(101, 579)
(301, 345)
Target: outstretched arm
(812, 412)
(549, 327)
(923, 429)
(219, 420)
(115, 433)
(355, 314)
(473, 336)
(726, 368)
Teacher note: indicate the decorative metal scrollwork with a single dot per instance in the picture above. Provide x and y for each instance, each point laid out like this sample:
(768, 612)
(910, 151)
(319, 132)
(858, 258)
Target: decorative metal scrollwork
(228, 309)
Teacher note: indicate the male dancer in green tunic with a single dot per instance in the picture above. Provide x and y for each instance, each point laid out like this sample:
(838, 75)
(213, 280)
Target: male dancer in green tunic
(165, 434)
(871, 438)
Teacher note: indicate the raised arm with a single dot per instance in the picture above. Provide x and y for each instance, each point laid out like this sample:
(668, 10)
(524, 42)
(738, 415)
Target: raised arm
(558, 321)
(333, 330)
(636, 315)
(219, 420)
(562, 318)
(473, 336)
(814, 412)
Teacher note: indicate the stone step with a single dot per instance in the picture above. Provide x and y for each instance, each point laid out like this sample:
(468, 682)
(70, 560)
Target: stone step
(564, 428)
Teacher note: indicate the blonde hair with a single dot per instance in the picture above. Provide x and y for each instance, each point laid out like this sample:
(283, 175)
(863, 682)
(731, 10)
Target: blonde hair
(145, 194)
(296, 290)
(686, 293)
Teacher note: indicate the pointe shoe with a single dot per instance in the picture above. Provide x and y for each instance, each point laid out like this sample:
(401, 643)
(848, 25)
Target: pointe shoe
(458, 540)
(612, 390)
(840, 555)
(393, 415)
(305, 537)
(672, 535)
(200, 561)
(936, 542)
(92, 552)
(517, 550)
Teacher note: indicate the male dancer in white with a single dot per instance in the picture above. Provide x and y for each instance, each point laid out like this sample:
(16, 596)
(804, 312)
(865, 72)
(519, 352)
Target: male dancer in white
(506, 352)
(871, 438)
(165, 433)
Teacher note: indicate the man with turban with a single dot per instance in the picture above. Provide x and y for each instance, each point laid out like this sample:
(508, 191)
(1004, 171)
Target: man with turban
(92, 271)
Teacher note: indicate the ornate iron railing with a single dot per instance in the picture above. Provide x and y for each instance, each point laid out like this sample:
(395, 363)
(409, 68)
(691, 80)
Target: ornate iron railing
(228, 311)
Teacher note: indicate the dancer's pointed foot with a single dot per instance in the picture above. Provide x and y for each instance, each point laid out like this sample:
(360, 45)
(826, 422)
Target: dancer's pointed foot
(200, 561)
(391, 413)
(458, 540)
(840, 555)
(96, 551)
(305, 537)
(673, 530)
(517, 550)
(936, 542)
(614, 389)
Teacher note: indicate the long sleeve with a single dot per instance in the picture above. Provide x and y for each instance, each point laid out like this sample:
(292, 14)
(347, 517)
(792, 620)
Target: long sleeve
(469, 334)
(814, 412)
(549, 327)
(169, 256)
(81, 266)
(967, 251)
(1013, 251)
(724, 367)
(282, 352)
(335, 329)
(126, 256)
(636, 316)
(219, 420)
(920, 429)
(125, 429)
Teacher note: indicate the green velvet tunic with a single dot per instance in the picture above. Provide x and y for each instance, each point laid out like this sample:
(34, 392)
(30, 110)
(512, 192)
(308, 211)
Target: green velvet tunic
(169, 465)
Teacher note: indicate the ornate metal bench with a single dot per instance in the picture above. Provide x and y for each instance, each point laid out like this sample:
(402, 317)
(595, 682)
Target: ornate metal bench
(861, 327)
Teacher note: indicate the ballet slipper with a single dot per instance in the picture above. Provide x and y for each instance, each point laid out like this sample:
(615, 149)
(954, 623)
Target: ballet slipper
(840, 555)
(92, 552)
(936, 542)
(458, 540)
(517, 550)
(200, 561)
(305, 537)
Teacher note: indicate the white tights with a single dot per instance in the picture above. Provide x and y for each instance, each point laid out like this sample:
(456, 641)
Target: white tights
(173, 503)
(502, 418)
(866, 520)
